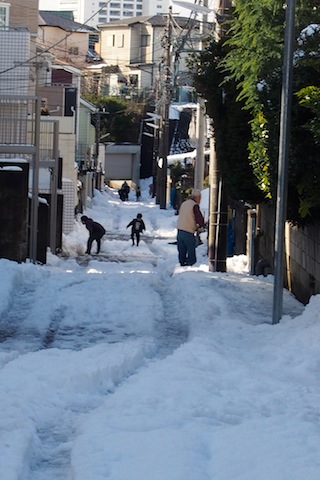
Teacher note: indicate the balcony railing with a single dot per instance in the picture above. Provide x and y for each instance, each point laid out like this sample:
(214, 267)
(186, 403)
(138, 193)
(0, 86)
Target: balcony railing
(18, 129)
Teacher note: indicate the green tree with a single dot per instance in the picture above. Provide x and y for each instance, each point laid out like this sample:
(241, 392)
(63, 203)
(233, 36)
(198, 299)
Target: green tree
(121, 119)
(229, 120)
(250, 66)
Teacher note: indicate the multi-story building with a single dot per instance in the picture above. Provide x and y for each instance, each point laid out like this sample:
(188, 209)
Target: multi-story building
(96, 12)
(19, 26)
(66, 44)
(133, 52)
(66, 40)
(18, 29)
(33, 78)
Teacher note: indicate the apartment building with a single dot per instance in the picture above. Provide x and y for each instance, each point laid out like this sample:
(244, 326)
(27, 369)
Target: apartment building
(96, 11)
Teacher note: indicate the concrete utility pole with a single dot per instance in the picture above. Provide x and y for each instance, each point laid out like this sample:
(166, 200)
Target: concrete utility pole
(200, 130)
(218, 208)
(98, 168)
(286, 100)
(166, 100)
(218, 216)
(35, 171)
(213, 207)
(201, 118)
(54, 188)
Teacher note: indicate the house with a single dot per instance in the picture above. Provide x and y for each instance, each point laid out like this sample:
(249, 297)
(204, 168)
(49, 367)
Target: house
(20, 14)
(67, 40)
(17, 45)
(68, 47)
(17, 113)
(135, 46)
(33, 76)
(60, 96)
(87, 158)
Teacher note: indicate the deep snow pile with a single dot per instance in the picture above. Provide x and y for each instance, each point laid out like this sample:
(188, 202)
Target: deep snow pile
(128, 366)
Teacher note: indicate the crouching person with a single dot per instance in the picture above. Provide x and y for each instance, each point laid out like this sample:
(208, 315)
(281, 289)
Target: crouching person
(96, 232)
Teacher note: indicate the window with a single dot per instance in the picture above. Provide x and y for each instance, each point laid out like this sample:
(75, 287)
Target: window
(111, 40)
(4, 14)
(120, 40)
(73, 51)
(145, 40)
(133, 80)
(61, 77)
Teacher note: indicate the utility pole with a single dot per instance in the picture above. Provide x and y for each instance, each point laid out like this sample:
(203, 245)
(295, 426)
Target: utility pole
(98, 167)
(200, 129)
(35, 171)
(213, 207)
(218, 208)
(201, 118)
(286, 100)
(54, 187)
(166, 100)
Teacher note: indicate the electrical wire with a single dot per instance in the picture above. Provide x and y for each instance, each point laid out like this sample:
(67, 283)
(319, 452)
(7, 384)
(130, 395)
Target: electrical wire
(59, 41)
(181, 39)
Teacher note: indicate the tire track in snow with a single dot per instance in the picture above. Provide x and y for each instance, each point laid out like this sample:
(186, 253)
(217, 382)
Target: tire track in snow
(50, 455)
(172, 330)
(13, 327)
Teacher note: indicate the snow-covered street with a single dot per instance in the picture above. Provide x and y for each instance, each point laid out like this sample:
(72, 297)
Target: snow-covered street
(126, 366)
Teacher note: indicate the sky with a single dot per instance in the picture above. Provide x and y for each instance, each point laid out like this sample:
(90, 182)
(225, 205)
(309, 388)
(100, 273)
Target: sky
(126, 366)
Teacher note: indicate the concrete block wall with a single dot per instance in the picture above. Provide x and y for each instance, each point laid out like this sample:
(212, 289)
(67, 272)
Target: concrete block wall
(302, 262)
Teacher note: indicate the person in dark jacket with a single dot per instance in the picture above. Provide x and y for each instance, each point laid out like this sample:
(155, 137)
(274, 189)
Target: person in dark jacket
(124, 191)
(96, 232)
(137, 226)
(190, 219)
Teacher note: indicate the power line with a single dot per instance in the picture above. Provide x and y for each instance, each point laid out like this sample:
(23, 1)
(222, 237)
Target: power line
(57, 43)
